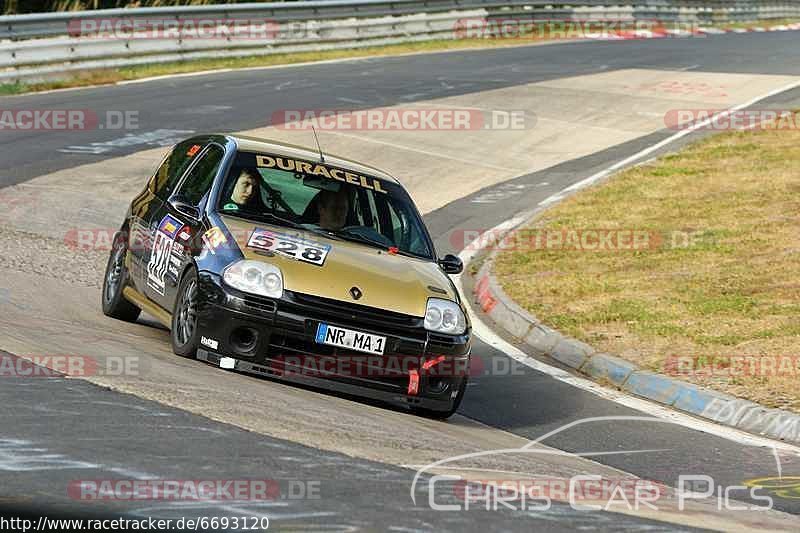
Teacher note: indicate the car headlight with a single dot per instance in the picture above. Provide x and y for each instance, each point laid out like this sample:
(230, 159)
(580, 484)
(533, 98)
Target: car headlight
(255, 277)
(444, 316)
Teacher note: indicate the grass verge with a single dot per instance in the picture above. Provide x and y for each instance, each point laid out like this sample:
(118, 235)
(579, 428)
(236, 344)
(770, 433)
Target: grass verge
(716, 291)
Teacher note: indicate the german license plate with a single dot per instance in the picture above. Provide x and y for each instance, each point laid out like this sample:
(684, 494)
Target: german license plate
(348, 338)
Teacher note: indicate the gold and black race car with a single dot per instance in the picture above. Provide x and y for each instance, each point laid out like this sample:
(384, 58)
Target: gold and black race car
(285, 262)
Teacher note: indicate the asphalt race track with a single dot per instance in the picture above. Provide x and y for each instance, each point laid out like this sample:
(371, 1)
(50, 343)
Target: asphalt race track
(186, 420)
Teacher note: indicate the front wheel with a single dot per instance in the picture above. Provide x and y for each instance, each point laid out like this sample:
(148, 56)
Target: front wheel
(114, 303)
(185, 335)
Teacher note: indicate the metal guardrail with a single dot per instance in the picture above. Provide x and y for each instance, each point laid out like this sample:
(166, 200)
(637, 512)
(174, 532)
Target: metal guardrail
(54, 45)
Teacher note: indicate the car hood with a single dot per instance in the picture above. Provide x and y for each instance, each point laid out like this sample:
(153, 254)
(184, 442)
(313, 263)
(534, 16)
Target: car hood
(387, 281)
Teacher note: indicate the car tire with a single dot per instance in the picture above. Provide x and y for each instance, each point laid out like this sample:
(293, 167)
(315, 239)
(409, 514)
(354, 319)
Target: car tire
(114, 281)
(184, 333)
(444, 415)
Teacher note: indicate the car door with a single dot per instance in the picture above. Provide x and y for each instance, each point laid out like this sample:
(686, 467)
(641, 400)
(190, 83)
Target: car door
(147, 205)
(176, 224)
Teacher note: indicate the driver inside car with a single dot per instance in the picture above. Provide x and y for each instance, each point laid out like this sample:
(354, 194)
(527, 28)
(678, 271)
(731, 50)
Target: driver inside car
(246, 193)
(333, 207)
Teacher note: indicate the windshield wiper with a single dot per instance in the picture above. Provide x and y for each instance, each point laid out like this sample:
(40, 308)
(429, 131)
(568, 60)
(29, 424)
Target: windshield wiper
(355, 237)
(266, 217)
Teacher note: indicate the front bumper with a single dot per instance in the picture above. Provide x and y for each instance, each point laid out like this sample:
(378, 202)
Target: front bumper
(276, 338)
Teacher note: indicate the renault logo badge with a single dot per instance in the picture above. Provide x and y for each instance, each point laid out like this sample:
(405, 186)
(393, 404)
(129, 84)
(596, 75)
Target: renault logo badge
(356, 293)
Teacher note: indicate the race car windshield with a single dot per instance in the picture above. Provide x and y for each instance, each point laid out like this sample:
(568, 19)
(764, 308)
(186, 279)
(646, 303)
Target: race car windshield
(324, 199)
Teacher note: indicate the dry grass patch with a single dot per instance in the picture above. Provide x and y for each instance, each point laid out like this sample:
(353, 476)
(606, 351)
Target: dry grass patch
(734, 290)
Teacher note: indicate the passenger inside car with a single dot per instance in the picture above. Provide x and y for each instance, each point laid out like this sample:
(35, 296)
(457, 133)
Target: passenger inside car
(246, 194)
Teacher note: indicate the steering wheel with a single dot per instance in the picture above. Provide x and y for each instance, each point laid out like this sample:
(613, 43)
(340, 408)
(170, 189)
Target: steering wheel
(276, 198)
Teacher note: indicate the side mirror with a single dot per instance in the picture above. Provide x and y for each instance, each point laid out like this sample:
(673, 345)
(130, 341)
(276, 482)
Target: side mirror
(451, 264)
(183, 207)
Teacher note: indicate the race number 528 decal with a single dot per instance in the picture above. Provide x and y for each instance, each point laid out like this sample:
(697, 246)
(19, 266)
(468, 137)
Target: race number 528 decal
(162, 252)
(300, 249)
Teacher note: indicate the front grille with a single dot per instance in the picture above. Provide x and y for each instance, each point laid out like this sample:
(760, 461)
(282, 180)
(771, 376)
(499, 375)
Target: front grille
(354, 315)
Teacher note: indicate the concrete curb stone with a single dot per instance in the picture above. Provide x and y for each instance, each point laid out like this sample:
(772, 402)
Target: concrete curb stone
(666, 390)
(603, 366)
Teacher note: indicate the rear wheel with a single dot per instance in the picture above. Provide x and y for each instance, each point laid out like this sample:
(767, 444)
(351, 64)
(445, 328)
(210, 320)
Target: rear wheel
(185, 334)
(116, 277)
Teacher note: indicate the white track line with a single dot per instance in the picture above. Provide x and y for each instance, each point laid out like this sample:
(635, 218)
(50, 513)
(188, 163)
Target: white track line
(672, 138)
(494, 340)
(224, 70)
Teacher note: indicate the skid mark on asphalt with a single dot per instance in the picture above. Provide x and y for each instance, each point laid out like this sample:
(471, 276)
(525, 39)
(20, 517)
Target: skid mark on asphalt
(18, 455)
(160, 137)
